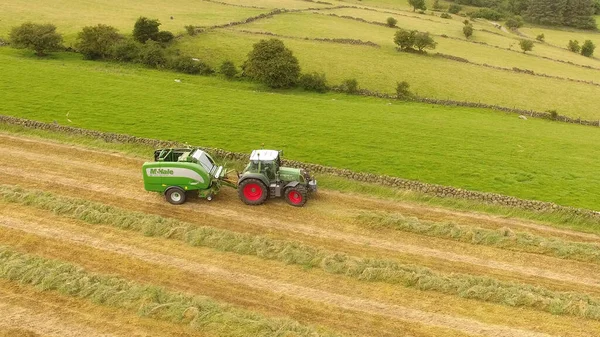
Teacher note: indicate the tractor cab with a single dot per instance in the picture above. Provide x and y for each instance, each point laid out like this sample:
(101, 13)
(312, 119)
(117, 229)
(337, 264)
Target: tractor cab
(266, 162)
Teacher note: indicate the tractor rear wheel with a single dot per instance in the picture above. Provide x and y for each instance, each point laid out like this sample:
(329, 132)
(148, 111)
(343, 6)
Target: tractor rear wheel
(252, 192)
(296, 196)
(175, 195)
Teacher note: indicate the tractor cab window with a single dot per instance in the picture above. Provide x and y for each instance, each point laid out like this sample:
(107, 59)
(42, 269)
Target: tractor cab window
(268, 168)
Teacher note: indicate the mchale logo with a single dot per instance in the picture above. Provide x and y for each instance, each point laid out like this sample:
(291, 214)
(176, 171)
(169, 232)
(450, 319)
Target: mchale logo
(161, 171)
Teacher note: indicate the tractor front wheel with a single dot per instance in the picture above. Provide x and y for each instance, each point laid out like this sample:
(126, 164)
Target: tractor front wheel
(175, 195)
(252, 192)
(296, 196)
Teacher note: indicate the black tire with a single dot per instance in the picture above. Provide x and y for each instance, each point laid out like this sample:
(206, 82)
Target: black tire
(296, 196)
(175, 195)
(252, 191)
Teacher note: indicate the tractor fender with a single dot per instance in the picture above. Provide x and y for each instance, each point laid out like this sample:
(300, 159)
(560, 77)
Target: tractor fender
(255, 176)
(291, 184)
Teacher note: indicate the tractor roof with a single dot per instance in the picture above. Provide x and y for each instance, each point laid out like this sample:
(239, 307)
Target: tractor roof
(264, 155)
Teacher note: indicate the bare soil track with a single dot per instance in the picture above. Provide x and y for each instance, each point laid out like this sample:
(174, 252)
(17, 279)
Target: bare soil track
(338, 303)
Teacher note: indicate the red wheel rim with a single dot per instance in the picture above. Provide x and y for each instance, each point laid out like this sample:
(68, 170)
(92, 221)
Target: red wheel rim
(253, 192)
(295, 197)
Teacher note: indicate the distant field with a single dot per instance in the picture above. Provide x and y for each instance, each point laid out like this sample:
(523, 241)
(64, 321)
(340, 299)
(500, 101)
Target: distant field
(469, 148)
(375, 69)
(380, 69)
(70, 16)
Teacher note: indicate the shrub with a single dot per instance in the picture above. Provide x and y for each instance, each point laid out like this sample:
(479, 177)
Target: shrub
(190, 66)
(273, 64)
(468, 30)
(454, 8)
(402, 90)
(314, 82)
(191, 30)
(153, 55)
(164, 37)
(391, 22)
(350, 86)
(587, 49)
(574, 46)
(514, 22)
(228, 69)
(40, 38)
(97, 42)
(417, 4)
(553, 114)
(445, 16)
(486, 13)
(541, 37)
(145, 29)
(126, 50)
(526, 45)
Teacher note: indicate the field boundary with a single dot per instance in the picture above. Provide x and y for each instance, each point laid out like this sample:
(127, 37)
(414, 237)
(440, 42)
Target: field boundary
(384, 180)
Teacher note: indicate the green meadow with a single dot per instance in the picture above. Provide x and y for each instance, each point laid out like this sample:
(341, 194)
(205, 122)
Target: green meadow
(469, 148)
(376, 69)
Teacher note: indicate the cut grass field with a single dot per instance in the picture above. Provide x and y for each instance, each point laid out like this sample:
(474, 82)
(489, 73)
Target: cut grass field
(469, 148)
(95, 226)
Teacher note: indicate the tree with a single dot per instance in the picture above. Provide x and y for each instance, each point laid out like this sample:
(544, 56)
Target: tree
(164, 36)
(314, 82)
(37, 37)
(97, 42)
(517, 7)
(405, 39)
(468, 30)
(574, 46)
(126, 50)
(424, 41)
(587, 49)
(417, 4)
(350, 86)
(541, 37)
(402, 90)
(579, 14)
(391, 22)
(152, 54)
(526, 45)
(514, 22)
(228, 69)
(273, 64)
(454, 8)
(597, 7)
(145, 29)
(408, 40)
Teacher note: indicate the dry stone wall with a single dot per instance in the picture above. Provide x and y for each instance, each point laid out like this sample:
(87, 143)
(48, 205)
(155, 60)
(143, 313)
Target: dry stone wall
(394, 182)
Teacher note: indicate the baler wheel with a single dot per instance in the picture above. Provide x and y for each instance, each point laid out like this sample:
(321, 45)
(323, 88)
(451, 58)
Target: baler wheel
(296, 196)
(252, 192)
(175, 195)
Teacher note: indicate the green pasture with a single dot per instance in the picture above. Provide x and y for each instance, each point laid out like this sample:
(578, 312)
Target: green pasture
(322, 26)
(561, 37)
(380, 69)
(71, 16)
(484, 32)
(468, 148)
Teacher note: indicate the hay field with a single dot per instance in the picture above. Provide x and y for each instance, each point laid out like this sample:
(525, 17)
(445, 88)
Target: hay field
(87, 249)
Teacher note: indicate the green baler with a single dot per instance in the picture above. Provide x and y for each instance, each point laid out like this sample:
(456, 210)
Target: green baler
(175, 172)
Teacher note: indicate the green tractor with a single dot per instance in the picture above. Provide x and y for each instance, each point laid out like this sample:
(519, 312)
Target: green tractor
(264, 177)
(178, 172)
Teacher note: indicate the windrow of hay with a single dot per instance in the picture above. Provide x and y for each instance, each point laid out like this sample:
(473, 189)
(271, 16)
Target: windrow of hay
(503, 237)
(291, 252)
(201, 313)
